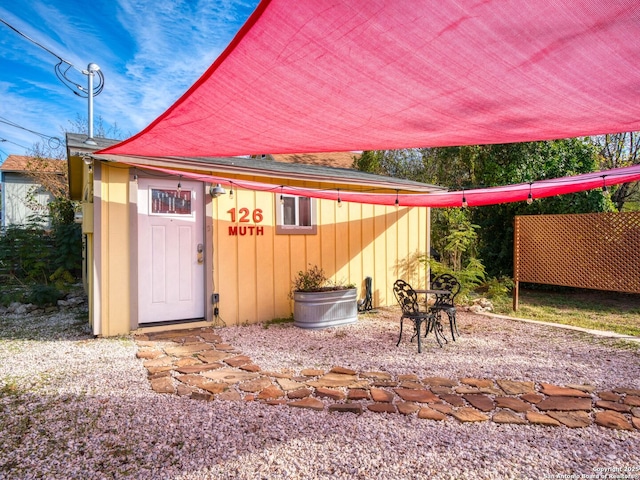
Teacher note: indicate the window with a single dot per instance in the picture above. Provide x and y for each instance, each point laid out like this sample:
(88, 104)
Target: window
(295, 215)
(170, 202)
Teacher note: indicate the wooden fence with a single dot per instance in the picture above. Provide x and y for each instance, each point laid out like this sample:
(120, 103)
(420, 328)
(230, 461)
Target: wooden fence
(598, 251)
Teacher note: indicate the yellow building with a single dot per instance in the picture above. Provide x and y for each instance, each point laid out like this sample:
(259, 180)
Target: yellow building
(164, 250)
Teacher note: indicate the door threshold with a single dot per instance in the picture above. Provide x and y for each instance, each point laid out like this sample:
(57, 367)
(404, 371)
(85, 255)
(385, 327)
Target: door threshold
(170, 322)
(172, 325)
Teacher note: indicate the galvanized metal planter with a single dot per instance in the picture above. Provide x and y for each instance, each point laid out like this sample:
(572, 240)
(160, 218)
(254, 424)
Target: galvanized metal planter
(331, 308)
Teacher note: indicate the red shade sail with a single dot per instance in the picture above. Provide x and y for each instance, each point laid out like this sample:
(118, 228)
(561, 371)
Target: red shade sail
(313, 76)
(471, 198)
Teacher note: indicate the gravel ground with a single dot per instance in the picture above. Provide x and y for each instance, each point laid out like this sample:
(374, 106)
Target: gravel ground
(76, 407)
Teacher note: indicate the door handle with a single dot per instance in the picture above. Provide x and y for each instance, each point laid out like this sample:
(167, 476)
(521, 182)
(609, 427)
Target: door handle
(200, 250)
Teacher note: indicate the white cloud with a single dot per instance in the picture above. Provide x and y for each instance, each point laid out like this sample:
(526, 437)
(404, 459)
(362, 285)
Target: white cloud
(150, 51)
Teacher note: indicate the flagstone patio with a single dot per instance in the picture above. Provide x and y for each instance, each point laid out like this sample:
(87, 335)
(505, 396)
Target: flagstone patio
(198, 364)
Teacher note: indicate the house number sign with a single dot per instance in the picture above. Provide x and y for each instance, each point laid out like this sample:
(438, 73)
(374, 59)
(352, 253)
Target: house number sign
(244, 216)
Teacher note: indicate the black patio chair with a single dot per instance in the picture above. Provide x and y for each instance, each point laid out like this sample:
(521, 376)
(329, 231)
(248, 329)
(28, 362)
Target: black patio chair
(408, 301)
(445, 301)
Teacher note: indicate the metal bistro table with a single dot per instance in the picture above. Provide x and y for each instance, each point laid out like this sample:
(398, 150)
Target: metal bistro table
(436, 325)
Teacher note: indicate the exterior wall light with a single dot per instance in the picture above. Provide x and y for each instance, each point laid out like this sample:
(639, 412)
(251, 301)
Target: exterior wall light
(216, 191)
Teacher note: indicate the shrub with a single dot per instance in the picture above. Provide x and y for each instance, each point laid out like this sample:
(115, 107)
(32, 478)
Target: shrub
(43, 295)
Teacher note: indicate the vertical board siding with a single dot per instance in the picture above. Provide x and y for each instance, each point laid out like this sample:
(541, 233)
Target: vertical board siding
(253, 273)
(115, 249)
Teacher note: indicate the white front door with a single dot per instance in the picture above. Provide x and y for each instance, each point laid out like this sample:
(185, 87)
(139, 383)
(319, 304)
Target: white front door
(170, 250)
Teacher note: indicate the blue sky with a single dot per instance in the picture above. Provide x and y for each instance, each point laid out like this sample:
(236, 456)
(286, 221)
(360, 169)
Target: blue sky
(150, 51)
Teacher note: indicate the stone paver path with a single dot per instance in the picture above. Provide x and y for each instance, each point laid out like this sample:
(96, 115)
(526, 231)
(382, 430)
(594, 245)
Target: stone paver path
(197, 363)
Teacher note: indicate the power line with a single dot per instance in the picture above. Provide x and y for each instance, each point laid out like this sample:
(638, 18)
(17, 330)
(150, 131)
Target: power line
(36, 43)
(62, 68)
(9, 141)
(53, 142)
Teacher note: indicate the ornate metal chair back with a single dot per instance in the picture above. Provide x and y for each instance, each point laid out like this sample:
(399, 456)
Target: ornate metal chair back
(445, 282)
(406, 297)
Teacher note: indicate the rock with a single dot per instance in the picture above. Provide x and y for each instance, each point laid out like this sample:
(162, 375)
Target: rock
(187, 350)
(212, 356)
(636, 422)
(228, 375)
(612, 419)
(311, 403)
(441, 407)
(229, 396)
(541, 419)
(334, 380)
(407, 408)
(358, 394)
(618, 407)
(379, 395)
(300, 393)
(382, 407)
(609, 396)
(287, 384)
(214, 387)
(163, 361)
(270, 392)
(582, 387)
(149, 354)
(627, 391)
(203, 367)
(187, 361)
(207, 397)
(411, 385)
(249, 367)
(408, 378)
(565, 404)
(163, 385)
(632, 400)
(237, 361)
(466, 414)
(311, 372)
(330, 393)
(556, 391)
(441, 390)
(479, 401)
(430, 414)
(376, 375)
(343, 371)
(210, 337)
(576, 419)
(255, 385)
(512, 403)
(455, 400)
(420, 396)
(185, 391)
(477, 382)
(512, 387)
(439, 382)
(346, 408)
(533, 398)
(505, 416)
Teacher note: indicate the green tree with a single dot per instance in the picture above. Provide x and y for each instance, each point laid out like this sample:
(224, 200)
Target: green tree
(493, 165)
(621, 150)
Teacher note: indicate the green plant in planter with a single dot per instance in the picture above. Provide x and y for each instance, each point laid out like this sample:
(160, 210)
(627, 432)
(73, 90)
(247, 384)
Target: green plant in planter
(321, 303)
(314, 280)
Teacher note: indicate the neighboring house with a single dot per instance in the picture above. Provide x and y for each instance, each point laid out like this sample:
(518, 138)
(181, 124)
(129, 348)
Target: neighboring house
(162, 252)
(22, 196)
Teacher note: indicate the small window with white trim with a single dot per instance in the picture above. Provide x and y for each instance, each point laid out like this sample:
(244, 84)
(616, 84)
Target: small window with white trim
(295, 215)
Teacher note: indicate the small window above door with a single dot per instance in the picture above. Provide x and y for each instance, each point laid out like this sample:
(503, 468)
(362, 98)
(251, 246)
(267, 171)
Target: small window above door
(170, 202)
